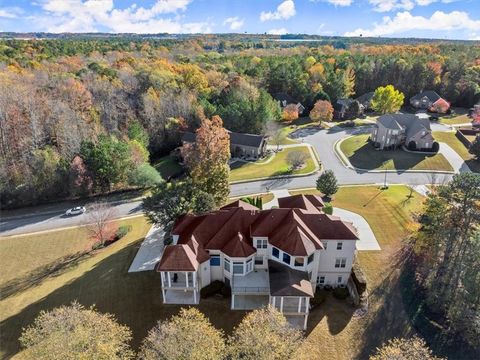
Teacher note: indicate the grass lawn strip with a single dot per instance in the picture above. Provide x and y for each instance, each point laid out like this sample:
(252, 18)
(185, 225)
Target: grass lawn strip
(362, 155)
(449, 138)
(275, 167)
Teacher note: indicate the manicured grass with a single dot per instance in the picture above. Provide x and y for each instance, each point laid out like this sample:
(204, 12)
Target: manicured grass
(102, 279)
(450, 139)
(460, 119)
(363, 155)
(265, 198)
(167, 166)
(275, 167)
(333, 333)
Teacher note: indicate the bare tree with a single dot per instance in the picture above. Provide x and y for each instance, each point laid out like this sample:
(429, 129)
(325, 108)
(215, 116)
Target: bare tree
(274, 131)
(100, 223)
(296, 159)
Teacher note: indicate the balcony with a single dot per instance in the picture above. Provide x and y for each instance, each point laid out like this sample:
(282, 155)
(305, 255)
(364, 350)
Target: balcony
(254, 283)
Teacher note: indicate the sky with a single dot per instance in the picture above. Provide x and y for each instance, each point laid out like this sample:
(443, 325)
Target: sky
(442, 19)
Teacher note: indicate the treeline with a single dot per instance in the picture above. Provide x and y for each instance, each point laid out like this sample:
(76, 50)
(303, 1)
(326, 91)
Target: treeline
(57, 94)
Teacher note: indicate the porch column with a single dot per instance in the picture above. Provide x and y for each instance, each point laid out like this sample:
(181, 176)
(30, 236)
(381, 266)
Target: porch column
(186, 278)
(162, 279)
(305, 322)
(169, 279)
(164, 293)
(307, 305)
(273, 301)
(233, 301)
(195, 296)
(299, 304)
(281, 304)
(194, 279)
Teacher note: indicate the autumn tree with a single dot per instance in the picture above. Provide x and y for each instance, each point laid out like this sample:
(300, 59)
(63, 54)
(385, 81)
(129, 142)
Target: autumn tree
(207, 159)
(296, 159)
(264, 334)
(290, 113)
(322, 111)
(327, 183)
(188, 335)
(100, 223)
(404, 349)
(387, 100)
(74, 332)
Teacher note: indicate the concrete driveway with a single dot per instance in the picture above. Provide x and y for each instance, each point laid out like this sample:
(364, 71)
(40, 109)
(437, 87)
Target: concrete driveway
(367, 241)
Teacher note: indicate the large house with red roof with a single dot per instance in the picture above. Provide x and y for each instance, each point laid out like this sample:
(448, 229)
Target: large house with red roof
(277, 256)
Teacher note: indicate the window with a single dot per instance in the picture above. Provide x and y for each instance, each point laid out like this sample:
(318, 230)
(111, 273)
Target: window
(321, 280)
(226, 265)
(286, 258)
(299, 261)
(339, 245)
(258, 260)
(249, 265)
(275, 252)
(339, 280)
(310, 259)
(215, 260)
(340, 262)
(262, 244)
(238, 267)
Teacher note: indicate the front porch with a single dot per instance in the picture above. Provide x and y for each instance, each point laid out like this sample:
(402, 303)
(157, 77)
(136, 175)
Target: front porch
(180, 287)
(179, 296)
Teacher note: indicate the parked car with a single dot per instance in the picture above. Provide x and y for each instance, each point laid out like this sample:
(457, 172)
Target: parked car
(75, 211)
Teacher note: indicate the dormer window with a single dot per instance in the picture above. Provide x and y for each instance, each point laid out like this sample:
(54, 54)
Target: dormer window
(262, 243)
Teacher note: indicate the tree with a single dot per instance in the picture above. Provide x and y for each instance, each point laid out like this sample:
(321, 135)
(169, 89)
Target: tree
(168, 201)
(188, 335)
(475, 147)
(404, 349)
(264, 334)
(207, 159)
(353, 110)
(387, 100)
(322, 111)
(327, 183)
(275, 133)
(145, 176)
(290, 113)
(296, 159)
(73, 332)
(138, 133)
(100, 223)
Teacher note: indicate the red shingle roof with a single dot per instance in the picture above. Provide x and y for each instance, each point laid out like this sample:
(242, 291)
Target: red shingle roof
(306, 202)
(178, 258)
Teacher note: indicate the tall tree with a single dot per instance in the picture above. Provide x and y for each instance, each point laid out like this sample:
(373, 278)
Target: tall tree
(290, 113)
(188, 335)
(100, 223)
(387, 100)
(322, 111)
(73, 332)
(327, 183)
(404, 349)
(264, 334)
(207, 159)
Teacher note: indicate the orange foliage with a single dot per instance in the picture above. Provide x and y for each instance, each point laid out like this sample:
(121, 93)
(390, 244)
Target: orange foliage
(290, 113)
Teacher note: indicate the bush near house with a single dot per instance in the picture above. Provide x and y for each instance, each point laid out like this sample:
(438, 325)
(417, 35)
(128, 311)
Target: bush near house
(340, 293)
(215, 287)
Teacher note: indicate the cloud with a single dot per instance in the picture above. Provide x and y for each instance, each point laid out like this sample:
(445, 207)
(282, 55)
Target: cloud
(390, 5)
(10, 12)
(340, 2)
(284, 11)
(404, 21)
(92, 15)
(281, 31)
(235, 23)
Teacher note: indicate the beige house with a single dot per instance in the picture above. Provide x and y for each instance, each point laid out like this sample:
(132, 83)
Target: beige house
(394, 130)
(277, 256)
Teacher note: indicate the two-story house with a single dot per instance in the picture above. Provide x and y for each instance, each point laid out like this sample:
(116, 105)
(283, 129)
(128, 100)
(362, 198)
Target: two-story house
(277, 256)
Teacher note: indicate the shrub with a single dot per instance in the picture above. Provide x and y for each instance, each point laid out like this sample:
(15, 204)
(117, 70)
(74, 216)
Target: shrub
(412, 146)
(340, 293)
(328, 208)
(213, 288)
(435, 147)
(319, 298)
(226, 291)
(349, 123)
(358, 277)
(122, 231)
(145, 176)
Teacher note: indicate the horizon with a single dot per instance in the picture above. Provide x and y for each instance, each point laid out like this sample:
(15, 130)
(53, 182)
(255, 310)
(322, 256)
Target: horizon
(395, 19)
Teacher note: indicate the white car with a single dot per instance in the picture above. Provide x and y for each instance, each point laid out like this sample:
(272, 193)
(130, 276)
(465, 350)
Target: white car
(75, 211)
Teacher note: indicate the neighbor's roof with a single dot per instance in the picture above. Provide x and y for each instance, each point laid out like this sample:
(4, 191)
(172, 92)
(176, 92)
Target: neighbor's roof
(341, 104)
(285, 97)
(429, 94)
(410, 122)
(365, 97)
(235, 138)
(285, 281)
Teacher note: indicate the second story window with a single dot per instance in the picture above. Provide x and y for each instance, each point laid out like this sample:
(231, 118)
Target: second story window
(310, 259)
(262, 244)
(226, 265)
(339, 245)
(215, 260)
(286, 258)
(299, 261)
(340, 262)
(275, 252)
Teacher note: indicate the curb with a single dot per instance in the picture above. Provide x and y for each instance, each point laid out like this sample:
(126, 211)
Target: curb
(348, 165)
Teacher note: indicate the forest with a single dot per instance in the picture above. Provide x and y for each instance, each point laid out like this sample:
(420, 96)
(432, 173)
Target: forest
(82, 116)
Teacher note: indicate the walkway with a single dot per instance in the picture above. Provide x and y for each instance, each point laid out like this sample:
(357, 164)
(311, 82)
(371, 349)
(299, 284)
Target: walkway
(367, 241)
(458, 164)
(150, 251)
(276, 194)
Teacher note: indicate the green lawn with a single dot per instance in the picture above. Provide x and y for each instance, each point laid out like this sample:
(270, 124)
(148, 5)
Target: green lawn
(455, 120)
(275, 167)
(450, 139)
(167, 166)
(362, 155)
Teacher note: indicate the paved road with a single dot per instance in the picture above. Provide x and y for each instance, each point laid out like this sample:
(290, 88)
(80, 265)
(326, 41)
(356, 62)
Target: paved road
(51, 217)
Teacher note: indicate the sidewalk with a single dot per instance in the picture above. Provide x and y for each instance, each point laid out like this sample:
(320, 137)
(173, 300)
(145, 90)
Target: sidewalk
(276, 195)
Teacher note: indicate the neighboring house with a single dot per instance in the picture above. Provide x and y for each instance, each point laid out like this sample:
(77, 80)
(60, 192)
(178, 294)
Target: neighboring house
(431, 101)
(277, 256)
(366, 100)
(474, 113)
(241, 145)
(341, 109)
(285, 100)
(394, 130)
